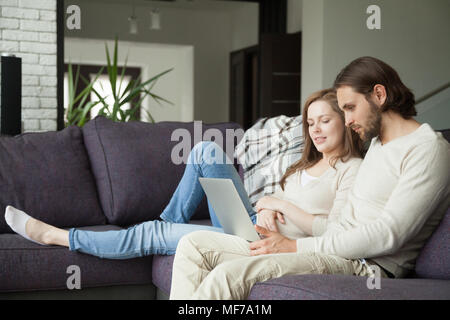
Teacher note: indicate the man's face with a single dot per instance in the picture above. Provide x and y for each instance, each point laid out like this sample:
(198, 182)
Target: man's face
(361, 115)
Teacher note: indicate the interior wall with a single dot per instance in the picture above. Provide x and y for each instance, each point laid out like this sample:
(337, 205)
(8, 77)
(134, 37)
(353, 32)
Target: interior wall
(28, 31)
(413, 39)
(209, 32)
(173, 86)
(294, 16)
(244, 26)
(312, 47)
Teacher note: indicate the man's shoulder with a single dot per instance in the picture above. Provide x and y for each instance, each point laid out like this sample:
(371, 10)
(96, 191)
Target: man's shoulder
(423, 138)
(428, 139)
(426, 133)
(428, 148)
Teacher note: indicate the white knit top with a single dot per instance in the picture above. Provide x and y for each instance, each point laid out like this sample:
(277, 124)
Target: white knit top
(323, 196)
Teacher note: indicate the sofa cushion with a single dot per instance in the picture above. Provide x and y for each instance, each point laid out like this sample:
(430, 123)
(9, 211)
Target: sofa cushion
(321, 287)
(162, 265)
(162, 272)
(434, 259)
(27, 266)
(133, 167)
(341, 287)
(48, 176)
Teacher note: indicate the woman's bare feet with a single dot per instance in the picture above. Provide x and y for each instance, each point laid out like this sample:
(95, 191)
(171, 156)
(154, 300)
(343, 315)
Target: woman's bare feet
(35, 230)
(45, 233)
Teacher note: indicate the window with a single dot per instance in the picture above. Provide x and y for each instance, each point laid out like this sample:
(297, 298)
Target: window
(102, 85)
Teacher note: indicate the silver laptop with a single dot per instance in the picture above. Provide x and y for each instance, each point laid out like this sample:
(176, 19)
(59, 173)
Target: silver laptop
(229, 208)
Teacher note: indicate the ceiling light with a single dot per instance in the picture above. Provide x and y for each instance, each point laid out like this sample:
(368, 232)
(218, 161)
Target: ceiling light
(133, 23)
(155, 19)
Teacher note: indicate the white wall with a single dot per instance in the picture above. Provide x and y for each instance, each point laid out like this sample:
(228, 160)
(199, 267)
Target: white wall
(28, 30)
(413, 39)
(209, 32)
(312, 47)
(294, 16)
(244, 26)
(175, 86)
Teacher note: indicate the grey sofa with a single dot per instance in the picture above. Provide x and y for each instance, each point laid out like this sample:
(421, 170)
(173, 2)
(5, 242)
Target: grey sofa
(111, 175)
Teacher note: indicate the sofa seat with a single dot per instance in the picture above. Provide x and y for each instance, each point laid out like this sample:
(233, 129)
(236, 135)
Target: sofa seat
(27, 266)
(322, 287)
(341, 287)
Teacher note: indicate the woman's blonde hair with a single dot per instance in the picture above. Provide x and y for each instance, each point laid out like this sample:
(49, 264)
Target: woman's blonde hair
(353, 146)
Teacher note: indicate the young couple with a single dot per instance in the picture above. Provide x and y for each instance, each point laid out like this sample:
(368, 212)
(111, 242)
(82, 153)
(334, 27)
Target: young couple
(333, 210)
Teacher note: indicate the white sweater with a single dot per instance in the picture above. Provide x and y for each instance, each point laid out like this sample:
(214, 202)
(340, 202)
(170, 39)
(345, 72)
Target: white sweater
(324, 196)
(400, 195)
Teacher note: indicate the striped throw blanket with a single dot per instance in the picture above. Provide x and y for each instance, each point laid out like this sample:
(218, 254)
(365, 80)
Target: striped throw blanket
(266, 151)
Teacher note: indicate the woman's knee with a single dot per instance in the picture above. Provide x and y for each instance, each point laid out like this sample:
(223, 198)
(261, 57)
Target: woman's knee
(201, 146)
(207, 152)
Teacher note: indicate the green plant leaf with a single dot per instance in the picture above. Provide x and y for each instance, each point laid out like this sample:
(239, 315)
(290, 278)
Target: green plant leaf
(149, 115)
(134, 90)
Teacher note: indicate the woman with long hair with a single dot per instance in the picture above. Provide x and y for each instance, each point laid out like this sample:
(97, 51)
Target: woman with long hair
(331, 155)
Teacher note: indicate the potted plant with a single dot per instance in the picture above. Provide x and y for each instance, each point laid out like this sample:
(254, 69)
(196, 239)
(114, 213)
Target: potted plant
(135, 92)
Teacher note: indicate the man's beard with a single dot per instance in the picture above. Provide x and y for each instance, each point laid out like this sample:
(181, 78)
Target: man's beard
(373, 128)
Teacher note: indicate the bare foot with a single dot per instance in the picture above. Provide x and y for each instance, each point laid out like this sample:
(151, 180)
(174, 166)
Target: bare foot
(45, 233)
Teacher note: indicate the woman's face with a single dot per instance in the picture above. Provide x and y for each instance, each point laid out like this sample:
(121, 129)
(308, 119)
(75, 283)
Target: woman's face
(326, 128)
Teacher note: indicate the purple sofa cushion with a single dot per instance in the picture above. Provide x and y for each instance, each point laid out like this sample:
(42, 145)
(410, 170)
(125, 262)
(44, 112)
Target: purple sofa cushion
(162, 272)
(341, 287)
(27, 266)
(322, 287)
(133, 167)
(434, 259)
(48, 176)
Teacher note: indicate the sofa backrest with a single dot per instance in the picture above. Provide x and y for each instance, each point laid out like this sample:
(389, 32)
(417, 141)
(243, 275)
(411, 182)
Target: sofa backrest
(434, 259)
(133, 164)
(48, 176)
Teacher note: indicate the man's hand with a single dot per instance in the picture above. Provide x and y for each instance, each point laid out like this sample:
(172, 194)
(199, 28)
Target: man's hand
(267, 219)
(273, 242)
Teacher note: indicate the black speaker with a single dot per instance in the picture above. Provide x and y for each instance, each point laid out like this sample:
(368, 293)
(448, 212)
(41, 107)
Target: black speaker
(11, 95)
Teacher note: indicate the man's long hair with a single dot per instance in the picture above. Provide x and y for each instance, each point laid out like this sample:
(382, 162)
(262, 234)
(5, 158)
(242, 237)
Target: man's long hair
(364, 73)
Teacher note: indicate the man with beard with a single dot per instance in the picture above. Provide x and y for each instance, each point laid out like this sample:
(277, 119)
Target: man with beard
(401, 192)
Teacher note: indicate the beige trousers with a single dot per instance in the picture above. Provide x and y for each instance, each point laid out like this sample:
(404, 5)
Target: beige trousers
(210, 265)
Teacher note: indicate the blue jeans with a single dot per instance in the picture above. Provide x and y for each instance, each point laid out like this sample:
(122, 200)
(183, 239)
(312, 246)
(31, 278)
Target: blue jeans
(206, 159)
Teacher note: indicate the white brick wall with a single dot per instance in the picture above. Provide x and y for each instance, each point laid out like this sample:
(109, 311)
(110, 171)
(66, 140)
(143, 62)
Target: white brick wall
(28, 30)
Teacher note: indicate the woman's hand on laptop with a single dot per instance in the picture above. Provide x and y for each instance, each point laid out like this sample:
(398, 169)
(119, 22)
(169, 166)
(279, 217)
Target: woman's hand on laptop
(273, 242)
(266, 218)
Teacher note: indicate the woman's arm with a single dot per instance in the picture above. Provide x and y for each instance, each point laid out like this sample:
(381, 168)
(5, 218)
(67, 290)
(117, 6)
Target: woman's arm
(302, 219)
(314, 224)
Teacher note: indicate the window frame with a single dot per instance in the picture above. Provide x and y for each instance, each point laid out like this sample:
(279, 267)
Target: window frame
(86, 70)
